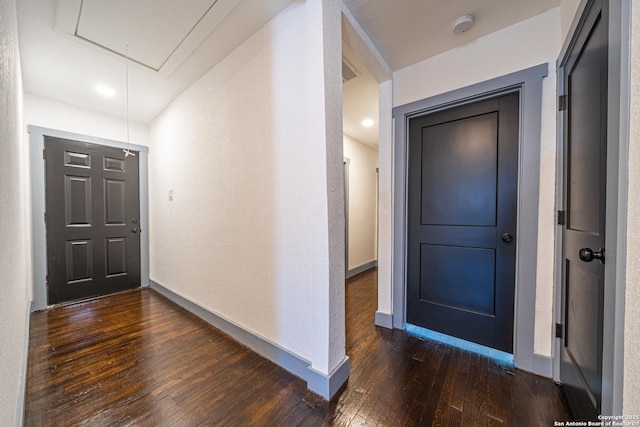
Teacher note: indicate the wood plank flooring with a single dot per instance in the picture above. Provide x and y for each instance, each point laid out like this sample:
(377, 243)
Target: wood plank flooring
(138, 359)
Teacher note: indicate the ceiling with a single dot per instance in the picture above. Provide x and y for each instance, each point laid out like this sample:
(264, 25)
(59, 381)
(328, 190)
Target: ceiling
(409, 31)
(359, 102)
(170, 29)
(70, 46)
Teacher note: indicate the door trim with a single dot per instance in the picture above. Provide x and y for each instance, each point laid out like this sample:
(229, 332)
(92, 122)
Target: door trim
(39, 235)
(346, 163)
(616, 201)
(528, 83)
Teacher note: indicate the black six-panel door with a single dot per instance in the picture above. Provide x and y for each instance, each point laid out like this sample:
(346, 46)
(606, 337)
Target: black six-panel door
(462, 202)
(92, 220)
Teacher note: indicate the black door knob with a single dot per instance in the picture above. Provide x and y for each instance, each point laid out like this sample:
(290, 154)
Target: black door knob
(507, 238)
(588, 255)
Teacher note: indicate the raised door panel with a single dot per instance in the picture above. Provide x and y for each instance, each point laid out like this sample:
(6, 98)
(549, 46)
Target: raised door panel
(79, 261)
(77, 199)
(459, 172)
(468, 272)
(114, 202)
(582, 328)
(116, 256)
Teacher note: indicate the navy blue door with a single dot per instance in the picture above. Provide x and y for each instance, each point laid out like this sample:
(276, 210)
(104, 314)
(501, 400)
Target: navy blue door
(462, 189)
(585, 155)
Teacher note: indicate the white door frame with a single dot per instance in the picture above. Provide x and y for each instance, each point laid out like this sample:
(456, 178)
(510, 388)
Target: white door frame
(528, 83)
(39, 233)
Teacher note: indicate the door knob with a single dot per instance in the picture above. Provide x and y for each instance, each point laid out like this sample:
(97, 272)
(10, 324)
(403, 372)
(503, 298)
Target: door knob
(507, 238)
(134, 230)
(588, 255)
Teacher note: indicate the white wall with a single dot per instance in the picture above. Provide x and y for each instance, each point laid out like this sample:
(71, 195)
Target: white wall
(48, 113)
(526, 44)
(14, 261)
(631, 392)
(253, 154)
(363, 161)
(324, 120)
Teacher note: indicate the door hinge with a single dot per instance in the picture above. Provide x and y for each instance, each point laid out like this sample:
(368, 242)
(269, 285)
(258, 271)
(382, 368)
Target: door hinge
(44, 153)
(558, 330)
(45, 217)
(562, 217)
(562, 102)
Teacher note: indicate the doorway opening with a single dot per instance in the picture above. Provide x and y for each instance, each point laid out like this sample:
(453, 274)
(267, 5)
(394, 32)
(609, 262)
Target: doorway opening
(528, 83)
(360, 148)
(92, 220)
(37, 137)
(593, 383)
(461, 220)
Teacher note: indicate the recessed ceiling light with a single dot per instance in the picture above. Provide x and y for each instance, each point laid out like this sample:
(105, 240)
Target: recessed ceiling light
(367, 123)
(105, 91)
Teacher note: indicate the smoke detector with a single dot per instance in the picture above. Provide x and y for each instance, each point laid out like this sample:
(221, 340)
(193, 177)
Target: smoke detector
(462, 24)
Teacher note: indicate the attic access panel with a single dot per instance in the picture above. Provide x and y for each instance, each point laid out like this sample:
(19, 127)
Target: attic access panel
(160, 34)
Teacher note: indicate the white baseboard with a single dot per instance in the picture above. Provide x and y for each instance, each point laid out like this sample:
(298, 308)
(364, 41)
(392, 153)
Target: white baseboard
(384, 319)
(543, 365)
(361, 269)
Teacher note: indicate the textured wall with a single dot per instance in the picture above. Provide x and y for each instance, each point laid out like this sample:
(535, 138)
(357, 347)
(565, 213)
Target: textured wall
(324, 37)
(631, 399)
(526, 44)
(246, 151)
(52, 114)
(362, 201)
(14, 267)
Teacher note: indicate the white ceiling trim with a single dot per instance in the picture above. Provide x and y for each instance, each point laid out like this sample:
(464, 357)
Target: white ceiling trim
(68, 17)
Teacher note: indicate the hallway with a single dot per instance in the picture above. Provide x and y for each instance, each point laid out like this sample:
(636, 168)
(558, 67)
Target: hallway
(138, 359)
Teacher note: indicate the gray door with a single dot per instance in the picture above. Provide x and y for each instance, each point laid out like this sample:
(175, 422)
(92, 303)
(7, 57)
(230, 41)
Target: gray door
(92, 220)
(585, 154)
(462, 185)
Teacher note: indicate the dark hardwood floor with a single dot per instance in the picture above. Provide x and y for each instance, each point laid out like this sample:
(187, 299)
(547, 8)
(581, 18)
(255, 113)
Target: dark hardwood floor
(138, 359)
